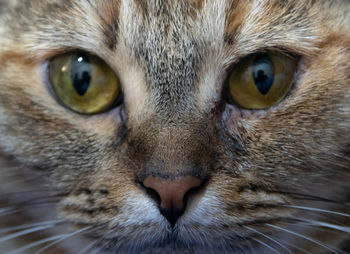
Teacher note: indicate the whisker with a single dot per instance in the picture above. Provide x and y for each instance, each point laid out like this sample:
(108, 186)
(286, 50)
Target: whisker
(100, 247)
(252, 248)
(96, 250)
(37, 200)
(248, 247)
(6, 210)
(30, 225)
(270, 238)
(301, 223)
(67, 236)
(6, 195)
(304, 237)
(25, 232)
(327, 225)
(317, 210)
(14, 210)
(266, 245)
(295, 247)
(91, 245)
(11, 212)
(308, 197)
(23, 180)
(37, 243)
(19, 207)
(244, 249)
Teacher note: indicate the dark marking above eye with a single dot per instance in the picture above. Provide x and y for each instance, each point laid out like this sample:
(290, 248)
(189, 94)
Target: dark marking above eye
(263, 73)
(81, 74)
(240, 207)
(346, 150)
(104, 192)
(253, 187)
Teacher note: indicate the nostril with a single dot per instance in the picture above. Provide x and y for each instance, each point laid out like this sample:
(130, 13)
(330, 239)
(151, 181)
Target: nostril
(171, 193)
(152, 193)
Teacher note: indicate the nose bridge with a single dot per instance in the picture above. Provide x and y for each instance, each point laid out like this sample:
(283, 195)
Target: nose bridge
(171, 79)
(166, 150)
(179, 151)
(170, 58)
(176, 167)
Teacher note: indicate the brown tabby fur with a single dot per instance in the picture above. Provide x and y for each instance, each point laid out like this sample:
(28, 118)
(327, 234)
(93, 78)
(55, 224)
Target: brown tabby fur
(172, 58)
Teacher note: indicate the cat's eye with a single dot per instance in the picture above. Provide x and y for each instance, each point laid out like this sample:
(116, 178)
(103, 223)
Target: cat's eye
(261, 80)
(84, 83)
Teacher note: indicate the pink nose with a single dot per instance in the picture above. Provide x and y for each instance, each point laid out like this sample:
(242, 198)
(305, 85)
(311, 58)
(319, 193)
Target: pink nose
(171, 193)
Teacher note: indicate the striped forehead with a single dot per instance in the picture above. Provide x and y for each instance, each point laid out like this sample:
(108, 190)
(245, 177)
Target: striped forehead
(170, 40)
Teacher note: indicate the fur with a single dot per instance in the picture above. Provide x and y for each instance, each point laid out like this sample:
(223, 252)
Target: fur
(172, 59)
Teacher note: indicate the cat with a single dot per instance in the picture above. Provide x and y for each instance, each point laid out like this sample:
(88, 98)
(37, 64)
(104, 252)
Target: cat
(180, 126)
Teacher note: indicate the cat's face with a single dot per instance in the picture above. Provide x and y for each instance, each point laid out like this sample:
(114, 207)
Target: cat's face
(176, 167)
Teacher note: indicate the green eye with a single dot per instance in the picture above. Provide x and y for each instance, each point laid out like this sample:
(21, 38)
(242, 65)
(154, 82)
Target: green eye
(262, 80)
(84, 83)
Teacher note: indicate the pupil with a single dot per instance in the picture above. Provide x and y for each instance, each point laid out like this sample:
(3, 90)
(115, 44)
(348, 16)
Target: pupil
(263, 73)
(81, 74)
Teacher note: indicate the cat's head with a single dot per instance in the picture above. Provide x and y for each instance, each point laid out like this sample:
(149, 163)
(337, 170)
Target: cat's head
(228, 125)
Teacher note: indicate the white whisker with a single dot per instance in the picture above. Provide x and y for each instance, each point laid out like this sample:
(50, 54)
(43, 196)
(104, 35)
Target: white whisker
(251, 248)
(328, 225)
(244, 249)
(88, 247)
(30, 225)
(304, 237)
(21, 180)
(317, 210)
(32, 245)
(66, 236)
(8, 210)
(295, 247)
(24, 232)
(266, 245)
(6, 195)
(100, 248)
(270, 238)
(4, 210)
(13, 210)
(303, 223)
(96, 250)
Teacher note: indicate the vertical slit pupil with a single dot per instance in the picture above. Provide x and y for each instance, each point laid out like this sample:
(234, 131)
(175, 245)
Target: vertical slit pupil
(81, 74)
(263, 73)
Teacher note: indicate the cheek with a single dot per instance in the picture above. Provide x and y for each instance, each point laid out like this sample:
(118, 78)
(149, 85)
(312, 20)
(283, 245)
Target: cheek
(107, 193)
